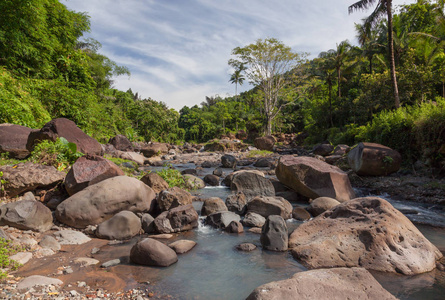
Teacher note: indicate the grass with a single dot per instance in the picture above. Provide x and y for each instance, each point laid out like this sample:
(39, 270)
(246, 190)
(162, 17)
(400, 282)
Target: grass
(6, 250)
(256, 153)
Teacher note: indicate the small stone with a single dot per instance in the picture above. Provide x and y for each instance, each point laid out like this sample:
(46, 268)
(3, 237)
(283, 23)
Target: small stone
(255, 230)
(73, 293)
(111, 263)
(161, 236)
(68, 270)
(247, 247)
(81, 284)
(95, 250)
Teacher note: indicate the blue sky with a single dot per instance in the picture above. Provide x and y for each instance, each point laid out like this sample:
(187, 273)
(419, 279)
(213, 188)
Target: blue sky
(177, 50)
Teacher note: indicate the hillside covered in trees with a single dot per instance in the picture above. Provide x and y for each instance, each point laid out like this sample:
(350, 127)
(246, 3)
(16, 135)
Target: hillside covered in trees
(344, 95)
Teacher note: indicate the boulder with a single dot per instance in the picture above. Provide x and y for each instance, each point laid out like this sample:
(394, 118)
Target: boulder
(267, 206)
(313, 178)
(101, 201)
(323, 149)
(147, 223)
(228, 161)
(333, 284)
(177, 219)
(252, 184)
(265, 143)
(155, 181)
(88, 170)
(237, 203)
(182, 246)
(253, 220)
(274, 234)
(341, 149)
(122, 226)
(193, 172)
(71, 237)
(321, 204)
(213, 205)
(37, 280)
(26, 215)
(369, 159)
(222, 219)
(263, 163)
(121, 142)
(132, 156)
(13, 140)
(228, 179)
(150, 252)
(62, 127)
(218, 172)
(246, 247)
(234, 227)
(154, 149)
(367, 232)
(211, 180)
(50, 242)
(193, 182)
(300, 214)
(25, 177)
(173, 197)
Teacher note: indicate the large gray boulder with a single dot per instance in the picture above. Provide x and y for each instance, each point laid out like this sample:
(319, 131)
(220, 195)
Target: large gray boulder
(222, 219)
(122, 226)
(101, 201)
(252, 219)
(88, 170)
(228, 161)
(313, 178)
(237, 203)
(181, 218)
(150, 252)
(173, 197)
(13, 140)
(367, 232)
(369, 159)
(274, 234)
(252, 184)
(266, 206)
(26, 215)
(26, 177)
(333, 284)
(62, 127)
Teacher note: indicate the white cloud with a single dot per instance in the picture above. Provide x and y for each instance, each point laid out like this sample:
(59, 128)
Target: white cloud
(177, 50)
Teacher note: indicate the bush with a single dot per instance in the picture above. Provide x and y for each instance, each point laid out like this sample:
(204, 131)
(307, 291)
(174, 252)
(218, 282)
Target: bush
(59, 154)
(173, 177)
(6, 250)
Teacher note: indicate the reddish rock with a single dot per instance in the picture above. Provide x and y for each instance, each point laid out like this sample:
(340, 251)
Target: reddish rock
(313, 178)
(266, 206)
(151, 252)
(156, 182)
(13, 140)
(62, 127)
(300, 214)
(265, 143)
(182, 246)
(154, 149)
(369, 159)
(323, 149)
(367, 232)
(89, 170)
(173, 197)
(234, 227)
(178, 219)
(121, 142)
(320, 205)
(213, 205)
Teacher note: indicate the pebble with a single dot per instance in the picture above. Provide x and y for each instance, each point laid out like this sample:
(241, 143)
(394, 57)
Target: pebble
(95, 250)
(111, 263)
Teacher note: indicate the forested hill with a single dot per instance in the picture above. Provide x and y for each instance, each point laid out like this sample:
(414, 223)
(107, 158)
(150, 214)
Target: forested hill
(345, 94)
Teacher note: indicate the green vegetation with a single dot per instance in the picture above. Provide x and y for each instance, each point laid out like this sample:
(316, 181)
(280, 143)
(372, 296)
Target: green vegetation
(173, 177)
(59, 154)
(6, 250)
(260, 153)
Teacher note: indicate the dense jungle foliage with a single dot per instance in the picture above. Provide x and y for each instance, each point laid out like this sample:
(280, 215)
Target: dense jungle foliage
(344, 95)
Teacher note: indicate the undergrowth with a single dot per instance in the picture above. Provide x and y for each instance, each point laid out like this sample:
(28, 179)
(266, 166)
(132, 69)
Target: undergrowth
(6, 250)
(60, 154)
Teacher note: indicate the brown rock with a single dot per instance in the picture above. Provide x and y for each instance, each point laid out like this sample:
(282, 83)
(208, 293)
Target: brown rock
(154, 149)
(173, 197)
(213, 205)
(62, 127)
(234, 227)
(246, 247)
(321, 204)
(177, 219)
(333, 284)
(300, 214)
(266, 206)
(366, 232)
(274, 234)
(156, 182)
(323, 149)
(265, 143)
(13, 140)
(89, 170)
(369, 159)
(182, 246)
(26, 215)
(251, 184)
(121, 142)
(151, 252)
(122, 226)
(313, 178)
(237, 203)
(25, 177)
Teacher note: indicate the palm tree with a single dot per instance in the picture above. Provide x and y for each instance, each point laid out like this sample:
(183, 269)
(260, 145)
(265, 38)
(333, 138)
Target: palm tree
(339, 57)
(382, 7)
(237, 78)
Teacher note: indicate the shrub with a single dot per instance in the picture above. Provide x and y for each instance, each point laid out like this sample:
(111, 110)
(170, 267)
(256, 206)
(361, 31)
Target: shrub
(59, 154)
(173, 177)
(6, 250)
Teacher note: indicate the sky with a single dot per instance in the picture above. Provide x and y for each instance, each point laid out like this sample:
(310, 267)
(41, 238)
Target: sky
(177, 50)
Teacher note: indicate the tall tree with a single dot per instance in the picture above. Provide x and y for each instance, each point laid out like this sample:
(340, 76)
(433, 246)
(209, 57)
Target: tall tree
(266, 63)
(238, 78)
(382, 7)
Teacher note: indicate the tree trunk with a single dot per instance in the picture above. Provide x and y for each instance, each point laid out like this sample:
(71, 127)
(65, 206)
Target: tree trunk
(330, 103)
(269, 125)
(391, 54)
(338, 82)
